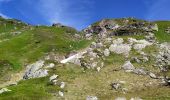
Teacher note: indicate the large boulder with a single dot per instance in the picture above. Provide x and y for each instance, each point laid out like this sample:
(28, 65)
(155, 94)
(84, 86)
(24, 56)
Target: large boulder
(35, 70)
(120, 49)
(128, 66)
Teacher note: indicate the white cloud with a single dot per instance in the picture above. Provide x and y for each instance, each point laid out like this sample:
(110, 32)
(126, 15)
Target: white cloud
(73, 13)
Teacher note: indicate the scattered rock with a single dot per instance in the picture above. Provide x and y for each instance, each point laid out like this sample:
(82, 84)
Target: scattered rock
(62, 85)
(106, 52)
(168, 30)
(99, 45)
(118, 41)
(140, 71)
(4, 90)
(53, 77)
(91, 98)
(120, 98)
(116, 86)
(61, 93)
(128, 66)
(98, 69)
(152, 75)
(51, 65)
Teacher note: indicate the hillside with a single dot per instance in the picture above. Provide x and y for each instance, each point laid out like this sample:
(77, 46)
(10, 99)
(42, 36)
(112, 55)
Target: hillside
(113, 59)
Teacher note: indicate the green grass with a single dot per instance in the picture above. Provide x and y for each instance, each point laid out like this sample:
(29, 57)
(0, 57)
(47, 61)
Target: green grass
(161, 35)
(33, 44)
(33, 89)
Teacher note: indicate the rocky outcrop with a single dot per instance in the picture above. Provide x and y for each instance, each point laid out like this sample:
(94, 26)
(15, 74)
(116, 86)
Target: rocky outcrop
(163, 58)
(37, 69)
(119, 27)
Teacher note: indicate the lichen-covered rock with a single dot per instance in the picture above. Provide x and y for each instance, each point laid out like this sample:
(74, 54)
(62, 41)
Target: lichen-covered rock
(120, 49)
(106, 52)
(118, 41)
(35, 70)
(128, 66)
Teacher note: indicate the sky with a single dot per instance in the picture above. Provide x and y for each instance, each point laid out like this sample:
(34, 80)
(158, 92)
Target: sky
(81, 13)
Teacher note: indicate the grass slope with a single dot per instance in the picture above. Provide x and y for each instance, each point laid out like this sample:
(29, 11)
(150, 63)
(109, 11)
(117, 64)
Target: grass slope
(161, 35)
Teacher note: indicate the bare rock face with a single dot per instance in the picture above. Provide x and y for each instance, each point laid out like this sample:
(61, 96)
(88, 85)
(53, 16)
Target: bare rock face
(163, 58)
(120, 27)
(35, 70)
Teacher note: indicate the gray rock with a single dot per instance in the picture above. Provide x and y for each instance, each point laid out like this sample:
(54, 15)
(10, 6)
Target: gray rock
(61, 93)
(116, 85)
(152, 75)
(62, 85)
(51, 65)
(53, 77)
(99, 45)
(91, 98)
(35, 70)
(118, 41)
(128, 66)
(120, 49)
(4, 90)
(140, 71)
(93, 45)
(120, 98)
(106, 52)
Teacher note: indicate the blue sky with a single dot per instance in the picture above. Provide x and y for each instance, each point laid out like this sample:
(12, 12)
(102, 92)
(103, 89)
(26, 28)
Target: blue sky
(81, 13)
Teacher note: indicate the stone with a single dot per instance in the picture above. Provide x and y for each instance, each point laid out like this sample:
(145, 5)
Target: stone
(120, 98)
(93, 45)
(92, 54)
(35, 70)
(91, 98)
(141, 44)
(53, 77)
(152, 75)
(4, 90)
(139, 71)
(120, 49)
(99, 45)
(51, 65)
(98, 69)
(61, 93)
(62, 85)
(128, 66)
(106, 52)
(116, 86)
(118, 41)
